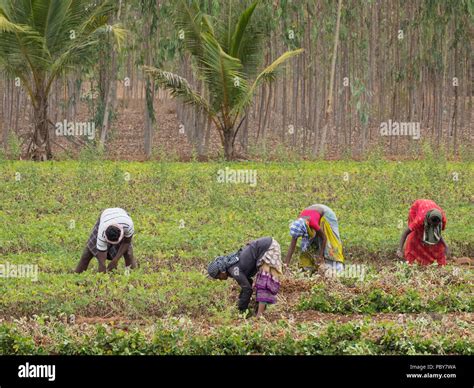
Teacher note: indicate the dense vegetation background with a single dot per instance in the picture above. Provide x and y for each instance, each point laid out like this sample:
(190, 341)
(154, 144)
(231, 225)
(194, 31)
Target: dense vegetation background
(405, 61)
(176, 92)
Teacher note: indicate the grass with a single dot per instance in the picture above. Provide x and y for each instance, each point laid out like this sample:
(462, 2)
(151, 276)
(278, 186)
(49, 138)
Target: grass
(184, 217)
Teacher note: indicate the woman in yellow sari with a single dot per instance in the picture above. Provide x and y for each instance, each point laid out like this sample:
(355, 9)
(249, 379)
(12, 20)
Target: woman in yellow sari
(319, 231)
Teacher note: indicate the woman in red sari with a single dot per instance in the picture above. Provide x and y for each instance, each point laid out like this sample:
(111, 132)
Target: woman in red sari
(424, 243)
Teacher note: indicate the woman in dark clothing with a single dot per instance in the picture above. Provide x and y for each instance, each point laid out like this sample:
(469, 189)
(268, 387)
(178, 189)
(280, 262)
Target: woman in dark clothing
(260, 257)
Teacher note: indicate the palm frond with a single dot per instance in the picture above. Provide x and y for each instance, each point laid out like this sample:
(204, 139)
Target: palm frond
(36, 41)
(223, 74)
(7, 26)
(240, 29)
(266, 75)
(179, 87)
(240, 37)
(192, 22)
(269, 71)
(120, 34)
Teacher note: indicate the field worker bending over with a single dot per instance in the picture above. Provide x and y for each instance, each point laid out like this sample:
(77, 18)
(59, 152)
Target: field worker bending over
(110, 239)
(424, 243)
(260, 257)
(319, 231)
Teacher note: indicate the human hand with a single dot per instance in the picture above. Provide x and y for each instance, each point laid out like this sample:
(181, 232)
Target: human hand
(448, 252)
(112, 266)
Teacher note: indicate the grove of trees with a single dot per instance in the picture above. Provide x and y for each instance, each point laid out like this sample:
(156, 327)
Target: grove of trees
(338, 69)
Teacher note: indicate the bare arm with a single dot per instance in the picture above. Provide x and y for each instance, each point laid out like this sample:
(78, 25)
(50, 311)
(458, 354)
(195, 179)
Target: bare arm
(291, 250)
(403, 238)
(324, 240)
(123, 248)
(102, 257)
(448, 251)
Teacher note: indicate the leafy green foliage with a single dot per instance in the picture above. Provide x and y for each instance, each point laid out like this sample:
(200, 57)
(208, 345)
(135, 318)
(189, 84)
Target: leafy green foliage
(41, 39)
(225, 52)
(403, 290)
(178, 337)
(183, 217)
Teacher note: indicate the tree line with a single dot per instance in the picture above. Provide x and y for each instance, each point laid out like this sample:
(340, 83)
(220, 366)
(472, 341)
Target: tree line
(313, 76)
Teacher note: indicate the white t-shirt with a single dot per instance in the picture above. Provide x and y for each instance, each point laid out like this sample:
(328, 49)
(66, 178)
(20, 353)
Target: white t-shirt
(109, 217)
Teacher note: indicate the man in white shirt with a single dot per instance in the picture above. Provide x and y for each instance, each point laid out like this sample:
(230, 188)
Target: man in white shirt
(110, 239)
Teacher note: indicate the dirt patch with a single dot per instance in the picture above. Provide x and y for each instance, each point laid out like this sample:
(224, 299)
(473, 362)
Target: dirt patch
(462, 261)
(99, 320)
(117, 322)
(290, 286)
(375, 259)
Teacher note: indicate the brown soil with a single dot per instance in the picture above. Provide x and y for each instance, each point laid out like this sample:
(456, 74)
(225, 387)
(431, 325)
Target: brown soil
(463, 261)
(126, 138)
(116, 320)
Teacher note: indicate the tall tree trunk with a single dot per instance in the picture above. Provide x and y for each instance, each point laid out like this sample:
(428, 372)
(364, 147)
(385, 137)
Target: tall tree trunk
(149, 117)
(3, 122)
(40, 146)
(149, 96)
(284, 107)
(229, 144)
(331, 82)
(111, 92)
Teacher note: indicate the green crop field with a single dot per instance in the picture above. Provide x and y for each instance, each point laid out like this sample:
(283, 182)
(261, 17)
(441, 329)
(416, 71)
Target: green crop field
(184, 216)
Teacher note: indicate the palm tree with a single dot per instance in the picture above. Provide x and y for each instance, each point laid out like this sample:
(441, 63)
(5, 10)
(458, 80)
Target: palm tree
(226, 55)
(42, 39)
